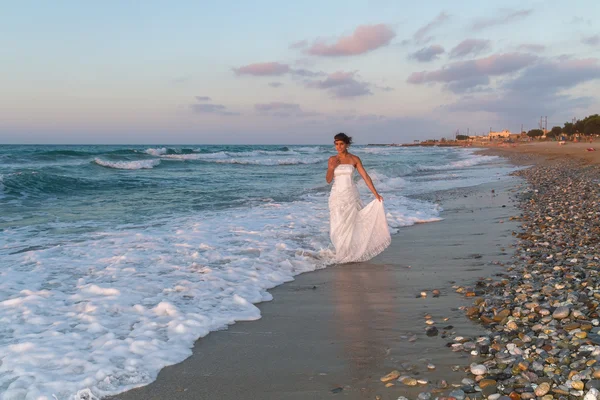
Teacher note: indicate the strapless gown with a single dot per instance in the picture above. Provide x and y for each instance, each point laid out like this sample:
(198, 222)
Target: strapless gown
(358, 233)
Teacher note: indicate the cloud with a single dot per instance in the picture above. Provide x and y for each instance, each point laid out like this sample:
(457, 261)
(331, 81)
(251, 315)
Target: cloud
(591, 40)
(469, 47)
(532, 48)
(305, 72)
(275, 84)
(274, 69)
(342, 84)
(551, 76)
(429, 53)
(504, 17)
(299, 45)
(469, 84)
(519, 98)
(282, 109)
(458, 74)
(219, 109)
(365, 38)
(421, 35)
(263, 69)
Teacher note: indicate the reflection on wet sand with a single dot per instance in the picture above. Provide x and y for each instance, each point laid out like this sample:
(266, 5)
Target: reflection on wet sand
(367, 316)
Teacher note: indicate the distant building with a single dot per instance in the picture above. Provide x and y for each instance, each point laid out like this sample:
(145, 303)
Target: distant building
(500, 135)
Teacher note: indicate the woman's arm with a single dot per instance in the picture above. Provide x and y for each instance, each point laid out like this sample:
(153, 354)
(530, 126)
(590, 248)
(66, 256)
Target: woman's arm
(367, 178)
(333, 162)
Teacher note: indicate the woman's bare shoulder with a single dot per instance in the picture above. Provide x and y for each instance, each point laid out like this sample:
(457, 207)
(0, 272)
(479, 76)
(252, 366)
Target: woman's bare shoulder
(355, 158)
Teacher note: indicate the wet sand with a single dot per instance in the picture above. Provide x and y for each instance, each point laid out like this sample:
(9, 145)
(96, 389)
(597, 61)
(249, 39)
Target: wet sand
(335, 332)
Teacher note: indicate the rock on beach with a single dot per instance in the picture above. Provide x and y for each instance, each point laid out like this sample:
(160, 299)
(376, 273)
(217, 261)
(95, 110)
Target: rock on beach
(542, 310)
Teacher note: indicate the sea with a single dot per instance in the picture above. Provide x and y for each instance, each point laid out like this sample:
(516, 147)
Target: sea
(115, 259)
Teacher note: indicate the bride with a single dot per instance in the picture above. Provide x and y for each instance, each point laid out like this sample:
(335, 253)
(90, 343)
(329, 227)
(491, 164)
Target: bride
(358, 233)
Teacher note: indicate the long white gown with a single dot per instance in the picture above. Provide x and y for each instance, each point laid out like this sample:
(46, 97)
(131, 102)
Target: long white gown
(358, 233)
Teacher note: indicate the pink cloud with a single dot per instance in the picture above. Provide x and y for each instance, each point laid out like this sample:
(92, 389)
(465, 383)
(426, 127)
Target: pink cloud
(263, 69)
(364, 39)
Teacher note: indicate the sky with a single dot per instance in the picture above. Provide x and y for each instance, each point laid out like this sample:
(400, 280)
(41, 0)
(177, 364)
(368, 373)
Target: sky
(262, 72)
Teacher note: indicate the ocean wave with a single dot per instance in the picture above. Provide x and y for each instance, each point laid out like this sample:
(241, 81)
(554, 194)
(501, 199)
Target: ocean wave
(307, 149)
(226, 158)
(139, 164)
(156, 152)
(385, 183)
(471, 161)
(41, 183)
(272, 162)
(71, 153)
(377, 150)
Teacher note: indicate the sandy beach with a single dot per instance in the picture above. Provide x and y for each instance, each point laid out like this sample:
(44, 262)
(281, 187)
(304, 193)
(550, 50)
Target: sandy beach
(337, 331)
(553, 150)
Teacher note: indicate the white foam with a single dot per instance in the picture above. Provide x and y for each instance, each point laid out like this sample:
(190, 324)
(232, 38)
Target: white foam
(156, 152)
(139, 164)
(470, 160)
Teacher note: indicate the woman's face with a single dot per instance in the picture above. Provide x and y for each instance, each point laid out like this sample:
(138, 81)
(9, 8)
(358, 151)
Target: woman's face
(340, 146)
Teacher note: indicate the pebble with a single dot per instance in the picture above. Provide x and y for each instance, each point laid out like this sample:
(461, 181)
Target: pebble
(457, 394)
(561, 312)
(542, 389)
(395, 374)
(542, 311)
(478, 369)
(431, 331)
(408, 381)
(592, 394)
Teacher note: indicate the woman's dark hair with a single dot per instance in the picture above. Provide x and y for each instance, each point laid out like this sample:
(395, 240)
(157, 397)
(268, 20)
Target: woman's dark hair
(343, 137)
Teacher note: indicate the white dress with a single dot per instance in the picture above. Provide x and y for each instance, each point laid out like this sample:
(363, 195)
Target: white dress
(358, 233)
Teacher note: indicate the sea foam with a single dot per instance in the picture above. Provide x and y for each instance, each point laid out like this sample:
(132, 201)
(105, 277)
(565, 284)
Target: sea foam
(139, 164)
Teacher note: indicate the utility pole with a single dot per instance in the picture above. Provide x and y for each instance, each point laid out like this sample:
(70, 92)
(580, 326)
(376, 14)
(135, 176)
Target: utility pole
(546, 125)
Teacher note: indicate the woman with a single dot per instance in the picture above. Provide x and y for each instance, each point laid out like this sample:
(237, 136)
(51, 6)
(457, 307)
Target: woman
(358, 233)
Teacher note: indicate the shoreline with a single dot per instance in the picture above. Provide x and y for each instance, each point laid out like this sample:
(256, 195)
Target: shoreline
(336, 331)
